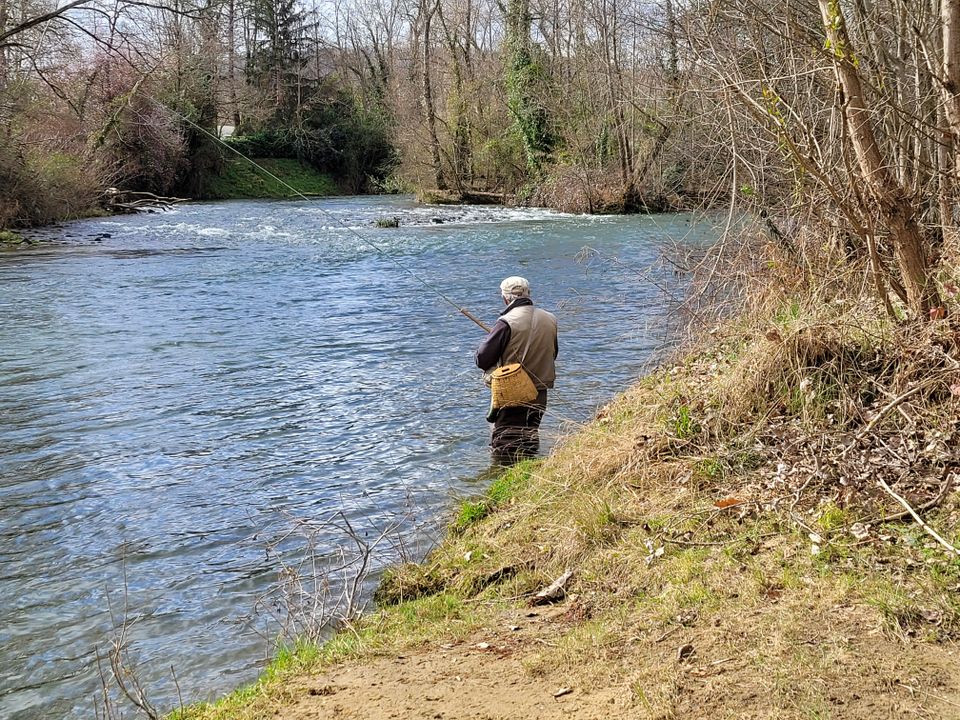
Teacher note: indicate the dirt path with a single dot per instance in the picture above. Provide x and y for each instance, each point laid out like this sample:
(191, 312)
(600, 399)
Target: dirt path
(483, 678)
(499, 674)
(452, 685)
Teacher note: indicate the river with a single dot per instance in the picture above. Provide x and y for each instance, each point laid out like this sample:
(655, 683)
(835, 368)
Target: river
(178, 389)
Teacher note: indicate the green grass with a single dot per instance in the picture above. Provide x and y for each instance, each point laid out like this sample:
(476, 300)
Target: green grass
(8, 237)
(502, 490)
(832, 517)
(242, 179)
(683, 424)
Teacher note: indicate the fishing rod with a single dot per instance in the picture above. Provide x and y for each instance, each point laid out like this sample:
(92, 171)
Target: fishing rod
(383, 253)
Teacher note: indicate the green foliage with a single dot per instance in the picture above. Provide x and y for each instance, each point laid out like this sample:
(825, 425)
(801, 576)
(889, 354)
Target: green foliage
(333, 132)
(502, 158)
(684, 426)
(470, 512)
(349, 140)
(202, 159)
(392, 185)
(832, 517)
(264, 144)
(788, 313)
(511, 481)
(38, 187)
(142, 144)
(710, 468)
(527, 81)
(279, 42)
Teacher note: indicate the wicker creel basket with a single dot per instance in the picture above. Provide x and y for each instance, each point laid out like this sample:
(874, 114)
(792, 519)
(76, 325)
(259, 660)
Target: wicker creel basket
(511, 386)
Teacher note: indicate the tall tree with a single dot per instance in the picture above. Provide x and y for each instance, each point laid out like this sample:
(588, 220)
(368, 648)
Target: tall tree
(275, 55)
(526, 86)
(892, 200)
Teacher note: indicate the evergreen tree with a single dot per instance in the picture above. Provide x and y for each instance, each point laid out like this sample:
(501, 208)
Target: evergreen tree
(277, 52)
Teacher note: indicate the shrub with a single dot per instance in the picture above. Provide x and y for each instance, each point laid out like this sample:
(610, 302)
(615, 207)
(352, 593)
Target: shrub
(333, 132)
(45, 186)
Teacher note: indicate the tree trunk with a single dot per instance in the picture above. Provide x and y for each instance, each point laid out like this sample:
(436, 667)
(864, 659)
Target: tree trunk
(459, 120)
(673, 56)
(4, 14)
(950, 19)
(232, 60)
(428, 109)
(895, 209)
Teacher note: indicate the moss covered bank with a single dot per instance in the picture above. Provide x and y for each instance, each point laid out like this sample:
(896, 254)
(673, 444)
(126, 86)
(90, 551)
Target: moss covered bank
(241, 179)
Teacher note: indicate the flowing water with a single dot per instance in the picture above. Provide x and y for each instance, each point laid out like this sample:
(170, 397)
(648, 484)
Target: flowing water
(177, 389)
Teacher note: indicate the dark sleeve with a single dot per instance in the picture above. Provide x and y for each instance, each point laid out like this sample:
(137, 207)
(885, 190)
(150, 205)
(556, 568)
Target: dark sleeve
(492, 347)
(556, 347)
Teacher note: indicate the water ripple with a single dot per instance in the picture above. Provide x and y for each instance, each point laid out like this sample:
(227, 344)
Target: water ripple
(175, 388)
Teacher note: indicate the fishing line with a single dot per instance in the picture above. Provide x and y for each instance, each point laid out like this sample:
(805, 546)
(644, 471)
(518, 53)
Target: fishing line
(383, 253)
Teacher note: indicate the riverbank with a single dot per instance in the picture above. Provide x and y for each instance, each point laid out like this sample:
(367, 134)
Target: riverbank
(242, 179)
(730, 551)
(237, 179)
(560, 193)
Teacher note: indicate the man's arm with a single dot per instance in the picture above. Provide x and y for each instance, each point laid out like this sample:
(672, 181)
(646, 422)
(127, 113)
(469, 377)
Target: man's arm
(492, 347)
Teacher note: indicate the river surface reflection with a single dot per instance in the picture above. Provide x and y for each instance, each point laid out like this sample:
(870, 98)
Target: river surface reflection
(178, 389)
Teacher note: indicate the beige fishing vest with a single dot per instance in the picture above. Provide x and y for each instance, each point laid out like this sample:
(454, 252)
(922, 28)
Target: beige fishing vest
(539, 358)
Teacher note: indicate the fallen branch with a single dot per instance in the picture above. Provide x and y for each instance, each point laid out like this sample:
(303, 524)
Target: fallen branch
(132, 200)
(945, 484)
(896, 403)
(553, 592)
(928, 694)
(913, 513)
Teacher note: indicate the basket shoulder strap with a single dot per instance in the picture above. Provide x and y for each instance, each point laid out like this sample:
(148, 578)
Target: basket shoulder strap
(530, 332)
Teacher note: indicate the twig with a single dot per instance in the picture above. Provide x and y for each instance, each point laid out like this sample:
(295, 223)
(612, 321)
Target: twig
(929, 530)
(179, 695)
(945, 484)
(929, 694)
(895, 403)
(667, 634)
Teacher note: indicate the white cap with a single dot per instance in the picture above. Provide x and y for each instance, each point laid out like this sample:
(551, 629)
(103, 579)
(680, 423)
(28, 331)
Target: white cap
(516, 287)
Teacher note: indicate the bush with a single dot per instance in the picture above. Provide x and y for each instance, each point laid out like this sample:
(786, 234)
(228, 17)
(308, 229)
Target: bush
(141, 145)
(277, 143)
(332, 132)
(45, 186)
(340, 136)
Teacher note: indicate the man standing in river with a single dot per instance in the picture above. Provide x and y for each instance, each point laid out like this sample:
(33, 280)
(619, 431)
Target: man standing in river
(527, 335)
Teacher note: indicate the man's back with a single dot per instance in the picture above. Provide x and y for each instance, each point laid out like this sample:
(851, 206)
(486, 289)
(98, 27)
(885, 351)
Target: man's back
(533, 343)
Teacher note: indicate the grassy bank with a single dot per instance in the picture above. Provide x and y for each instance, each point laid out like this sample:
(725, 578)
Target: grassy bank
(732, 551)
(241, 179)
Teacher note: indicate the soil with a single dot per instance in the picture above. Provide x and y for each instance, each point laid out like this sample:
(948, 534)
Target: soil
(733, 668)
(482, 678)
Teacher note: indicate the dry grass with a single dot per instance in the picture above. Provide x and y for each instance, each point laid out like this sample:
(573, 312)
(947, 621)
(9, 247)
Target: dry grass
(801, 581)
